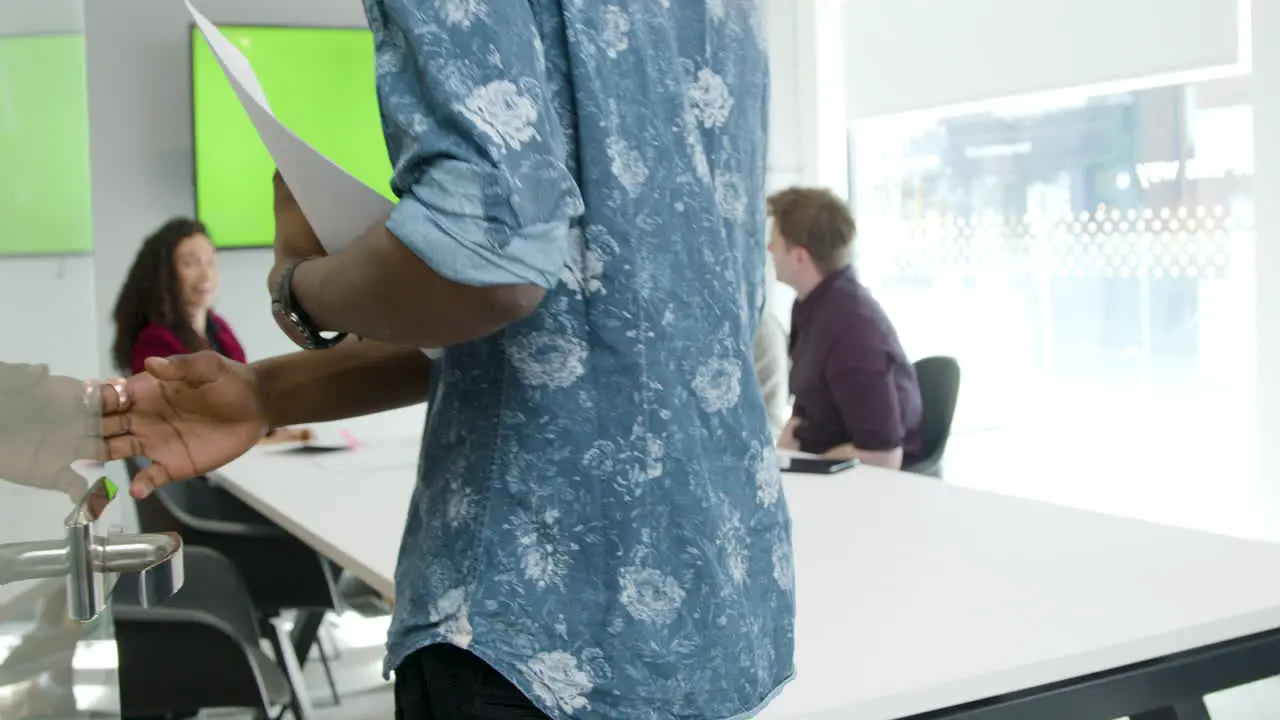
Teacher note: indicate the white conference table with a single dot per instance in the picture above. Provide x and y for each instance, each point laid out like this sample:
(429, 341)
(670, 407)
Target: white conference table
(915, 599)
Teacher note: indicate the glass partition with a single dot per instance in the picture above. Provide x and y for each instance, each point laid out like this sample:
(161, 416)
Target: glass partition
(50, 664)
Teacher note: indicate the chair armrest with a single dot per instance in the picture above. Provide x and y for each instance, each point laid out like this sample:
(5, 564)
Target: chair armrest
(232, 528)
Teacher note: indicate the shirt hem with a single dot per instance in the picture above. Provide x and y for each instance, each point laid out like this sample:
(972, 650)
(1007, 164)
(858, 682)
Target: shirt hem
(773, 695)
(395, 659)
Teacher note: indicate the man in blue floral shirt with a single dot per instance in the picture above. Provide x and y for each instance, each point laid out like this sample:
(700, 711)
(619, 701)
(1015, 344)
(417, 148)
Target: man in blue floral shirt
(599, 529)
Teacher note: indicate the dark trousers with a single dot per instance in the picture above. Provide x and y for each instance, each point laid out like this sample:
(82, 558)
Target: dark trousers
(442, 682)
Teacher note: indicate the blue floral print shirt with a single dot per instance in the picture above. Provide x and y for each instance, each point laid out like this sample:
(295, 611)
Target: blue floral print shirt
(599, 514)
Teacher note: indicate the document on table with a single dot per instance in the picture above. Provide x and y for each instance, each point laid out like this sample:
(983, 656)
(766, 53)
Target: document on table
(384, 454)
(788, 453)
(339, 207)
(786, 456)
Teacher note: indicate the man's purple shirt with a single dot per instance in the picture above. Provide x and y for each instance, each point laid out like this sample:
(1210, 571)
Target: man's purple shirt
(850, 376)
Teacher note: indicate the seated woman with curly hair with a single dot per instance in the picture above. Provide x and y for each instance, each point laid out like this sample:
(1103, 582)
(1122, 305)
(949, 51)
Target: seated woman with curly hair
(166, 305)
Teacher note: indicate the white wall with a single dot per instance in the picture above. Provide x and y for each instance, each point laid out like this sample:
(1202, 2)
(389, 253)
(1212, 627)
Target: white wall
(807, 144)
(910, 55)
(788, 163)
(808, 138)
(39, 17)
(48, 313)
(1266, 187)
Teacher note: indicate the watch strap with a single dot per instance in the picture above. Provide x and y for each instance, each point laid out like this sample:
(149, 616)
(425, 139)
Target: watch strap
(287, 305)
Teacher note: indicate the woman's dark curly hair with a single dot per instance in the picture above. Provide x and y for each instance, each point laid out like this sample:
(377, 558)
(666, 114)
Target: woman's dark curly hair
(151, 293)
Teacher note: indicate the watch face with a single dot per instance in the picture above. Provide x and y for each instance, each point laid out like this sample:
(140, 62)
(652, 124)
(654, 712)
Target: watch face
(291, 325)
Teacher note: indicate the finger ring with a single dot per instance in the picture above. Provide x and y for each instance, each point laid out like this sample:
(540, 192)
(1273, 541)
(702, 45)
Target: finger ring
(121, 386)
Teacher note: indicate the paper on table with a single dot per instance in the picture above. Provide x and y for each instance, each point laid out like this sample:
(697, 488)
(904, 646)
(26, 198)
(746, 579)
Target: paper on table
(788, 453)
(339, 207)
(380, 455)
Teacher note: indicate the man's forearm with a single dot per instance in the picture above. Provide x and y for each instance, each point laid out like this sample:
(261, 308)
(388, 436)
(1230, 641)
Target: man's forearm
(359, 377)
(891, 459)
(379, 289)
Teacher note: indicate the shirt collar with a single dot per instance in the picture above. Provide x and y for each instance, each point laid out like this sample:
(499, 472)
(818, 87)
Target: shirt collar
(806, 307)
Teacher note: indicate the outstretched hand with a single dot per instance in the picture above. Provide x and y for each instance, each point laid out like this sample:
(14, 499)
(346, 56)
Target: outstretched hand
(188, 414)
(47, 422)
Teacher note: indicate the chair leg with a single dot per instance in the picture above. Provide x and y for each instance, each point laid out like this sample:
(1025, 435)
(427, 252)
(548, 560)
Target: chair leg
(300, 704)
(326, 635)
(306, 628)
(328, 672)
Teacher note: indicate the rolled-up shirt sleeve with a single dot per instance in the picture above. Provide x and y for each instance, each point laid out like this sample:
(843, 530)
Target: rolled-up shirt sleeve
(485, 197)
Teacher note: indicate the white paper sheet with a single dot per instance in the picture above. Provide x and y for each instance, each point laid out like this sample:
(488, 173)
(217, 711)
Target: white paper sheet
(339, 207)
(788, 453)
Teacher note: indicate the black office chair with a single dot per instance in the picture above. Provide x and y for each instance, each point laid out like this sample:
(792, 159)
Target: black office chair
(200, 649)
(939, 379)
(281, 572)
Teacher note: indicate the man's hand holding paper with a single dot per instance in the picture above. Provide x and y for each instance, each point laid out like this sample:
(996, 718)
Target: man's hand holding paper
(295, 238)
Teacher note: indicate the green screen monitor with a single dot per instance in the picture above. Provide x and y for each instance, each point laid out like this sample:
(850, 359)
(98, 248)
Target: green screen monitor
(320, 83)
(44, 146)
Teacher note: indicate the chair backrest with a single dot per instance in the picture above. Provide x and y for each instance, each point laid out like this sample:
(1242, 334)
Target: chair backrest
(169, 508)
(939, 378)
(211, 585)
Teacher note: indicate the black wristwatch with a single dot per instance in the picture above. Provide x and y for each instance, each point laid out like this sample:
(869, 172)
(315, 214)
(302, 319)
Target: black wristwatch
(293, 320)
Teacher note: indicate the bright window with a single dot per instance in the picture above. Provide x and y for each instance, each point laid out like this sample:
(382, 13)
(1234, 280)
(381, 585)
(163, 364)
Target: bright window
(1088, 259)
